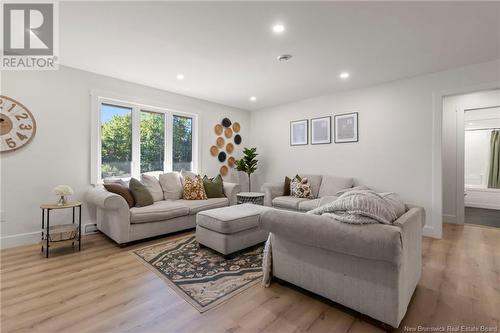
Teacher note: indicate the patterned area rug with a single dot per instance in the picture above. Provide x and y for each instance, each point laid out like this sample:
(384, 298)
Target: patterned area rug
(201, 276)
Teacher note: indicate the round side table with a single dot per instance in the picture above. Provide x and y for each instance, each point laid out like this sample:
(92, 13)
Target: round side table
(255, 198)
(61, 234)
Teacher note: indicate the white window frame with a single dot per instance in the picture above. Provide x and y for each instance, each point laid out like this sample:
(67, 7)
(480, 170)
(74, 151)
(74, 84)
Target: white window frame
(136, 105)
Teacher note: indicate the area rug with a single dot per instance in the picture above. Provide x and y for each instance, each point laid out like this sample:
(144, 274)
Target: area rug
(201, 276)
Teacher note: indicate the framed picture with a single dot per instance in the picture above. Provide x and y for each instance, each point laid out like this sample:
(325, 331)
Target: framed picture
(298, 132)
(321, 130)
(346, 127)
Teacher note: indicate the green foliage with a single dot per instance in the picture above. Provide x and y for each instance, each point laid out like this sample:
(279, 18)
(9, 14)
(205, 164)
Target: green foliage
(248, 164)
(183, 143)
(152, 141)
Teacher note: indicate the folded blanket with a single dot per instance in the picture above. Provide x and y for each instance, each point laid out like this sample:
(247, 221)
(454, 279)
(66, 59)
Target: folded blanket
(363, 206)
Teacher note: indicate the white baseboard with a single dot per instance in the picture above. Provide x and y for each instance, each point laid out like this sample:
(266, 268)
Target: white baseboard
(482, 205)
(429, 231)
(20, 239)
(448, 218)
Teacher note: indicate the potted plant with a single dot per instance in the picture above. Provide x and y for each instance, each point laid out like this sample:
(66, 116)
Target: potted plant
(248, 164)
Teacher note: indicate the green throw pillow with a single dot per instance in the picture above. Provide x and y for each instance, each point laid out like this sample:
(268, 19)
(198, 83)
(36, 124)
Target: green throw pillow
(141, 194)
(213, 187)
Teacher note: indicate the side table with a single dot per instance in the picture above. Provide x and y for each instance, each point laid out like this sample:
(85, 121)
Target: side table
(60, 234)
(255, 198)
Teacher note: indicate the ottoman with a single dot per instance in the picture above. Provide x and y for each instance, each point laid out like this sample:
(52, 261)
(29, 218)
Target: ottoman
(230, 229)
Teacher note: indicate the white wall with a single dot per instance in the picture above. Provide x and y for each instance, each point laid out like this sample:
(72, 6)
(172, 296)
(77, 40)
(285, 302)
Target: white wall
(452, 124)
(60, 151)
(396, 149)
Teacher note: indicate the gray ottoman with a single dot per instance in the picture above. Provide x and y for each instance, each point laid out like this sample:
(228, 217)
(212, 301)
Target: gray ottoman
(230, 229)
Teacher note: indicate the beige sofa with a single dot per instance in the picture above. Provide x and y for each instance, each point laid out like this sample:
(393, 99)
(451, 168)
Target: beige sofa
(371, 268)
(323, 187)
(124, 224)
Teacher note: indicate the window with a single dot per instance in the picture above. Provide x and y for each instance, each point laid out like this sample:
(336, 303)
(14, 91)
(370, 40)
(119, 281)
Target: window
(129, 139)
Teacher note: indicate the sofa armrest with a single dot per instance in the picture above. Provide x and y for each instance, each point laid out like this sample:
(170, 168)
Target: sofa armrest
(102, 198)
(230, 191)
(271, 191)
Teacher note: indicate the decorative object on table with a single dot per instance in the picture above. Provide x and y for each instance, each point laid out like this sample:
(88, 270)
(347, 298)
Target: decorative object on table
(231, 161)
(321, 129)
(220, 142)
(301, 188)
(61, 234)
(248, 164)
(228, 133)
(229, 148)
(214, 187)
(255, 198)
(226, 122)
(214, 151)
(236, 127)
(299, 132)
(346, 127)
(222, 157)
(17, 124)
(218, 129)
(199, 275)
(223, 170)
(193, 189)
(237, 139)
(63, 191)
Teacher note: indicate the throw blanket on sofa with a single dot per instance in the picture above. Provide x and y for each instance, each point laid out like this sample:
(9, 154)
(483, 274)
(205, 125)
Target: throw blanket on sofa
(267, 263)
(362, 206)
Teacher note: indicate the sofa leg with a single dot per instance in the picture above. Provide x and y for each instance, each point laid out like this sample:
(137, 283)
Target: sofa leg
(123, 245)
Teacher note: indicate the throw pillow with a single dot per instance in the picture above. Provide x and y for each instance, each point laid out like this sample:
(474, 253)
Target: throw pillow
(193, 189)
(301, 188)
(214, 187)
(153, 186)
(171, 184)
(141, 194)
(286, 188)
(185, 173)
(121, 190)
(118, 181)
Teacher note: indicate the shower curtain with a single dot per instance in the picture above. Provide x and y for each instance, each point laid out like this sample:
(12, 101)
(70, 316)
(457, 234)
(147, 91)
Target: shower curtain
(494, 167)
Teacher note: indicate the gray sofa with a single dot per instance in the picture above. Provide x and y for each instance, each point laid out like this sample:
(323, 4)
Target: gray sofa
(371, 268)
(124, 224)
(324, 189)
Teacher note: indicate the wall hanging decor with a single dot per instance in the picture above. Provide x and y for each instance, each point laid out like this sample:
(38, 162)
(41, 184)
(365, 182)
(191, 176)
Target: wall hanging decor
(226, 122)
(214, 151)
(222, 156)
(236, 127)
(229, 148)
(218, 129)
(220, 142)
(228, 133)
(223, 170)
(17, 125)
(346, 127)
(237, 139)
(231, 162)
(299, 132)
(321, 129)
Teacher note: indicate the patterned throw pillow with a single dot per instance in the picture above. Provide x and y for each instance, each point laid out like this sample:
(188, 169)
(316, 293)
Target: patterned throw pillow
(300, 188)
(193, 189)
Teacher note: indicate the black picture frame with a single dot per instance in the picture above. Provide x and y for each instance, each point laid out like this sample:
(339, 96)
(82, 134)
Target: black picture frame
(356, 127)
(329, 130)
(306, 134)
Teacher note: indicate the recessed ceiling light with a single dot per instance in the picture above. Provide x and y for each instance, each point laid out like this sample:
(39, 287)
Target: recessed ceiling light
(278, 28)
(284, 57)
(344, 75)
(180, 76)
(253, 98)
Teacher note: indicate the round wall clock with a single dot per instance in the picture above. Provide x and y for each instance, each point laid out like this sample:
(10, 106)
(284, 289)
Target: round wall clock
(17, 124)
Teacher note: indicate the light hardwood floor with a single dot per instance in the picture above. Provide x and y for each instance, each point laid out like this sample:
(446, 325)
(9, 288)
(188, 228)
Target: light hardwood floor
(105, 289)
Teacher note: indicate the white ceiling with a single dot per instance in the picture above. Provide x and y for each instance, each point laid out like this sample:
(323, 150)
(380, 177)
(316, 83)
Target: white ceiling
(227, 51)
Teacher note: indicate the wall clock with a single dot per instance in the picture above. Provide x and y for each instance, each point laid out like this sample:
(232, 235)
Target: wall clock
(17, 124)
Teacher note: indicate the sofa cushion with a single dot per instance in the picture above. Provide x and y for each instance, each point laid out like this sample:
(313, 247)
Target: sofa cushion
(159, 211)
(305, 206)
(214, 187)
(330, 185)
(171, 184)
(194, 189)
(288, 202)
(315, 182)
(153, 186)
(121, 190)
(232, 219)
(196, 206)
(140, 193)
